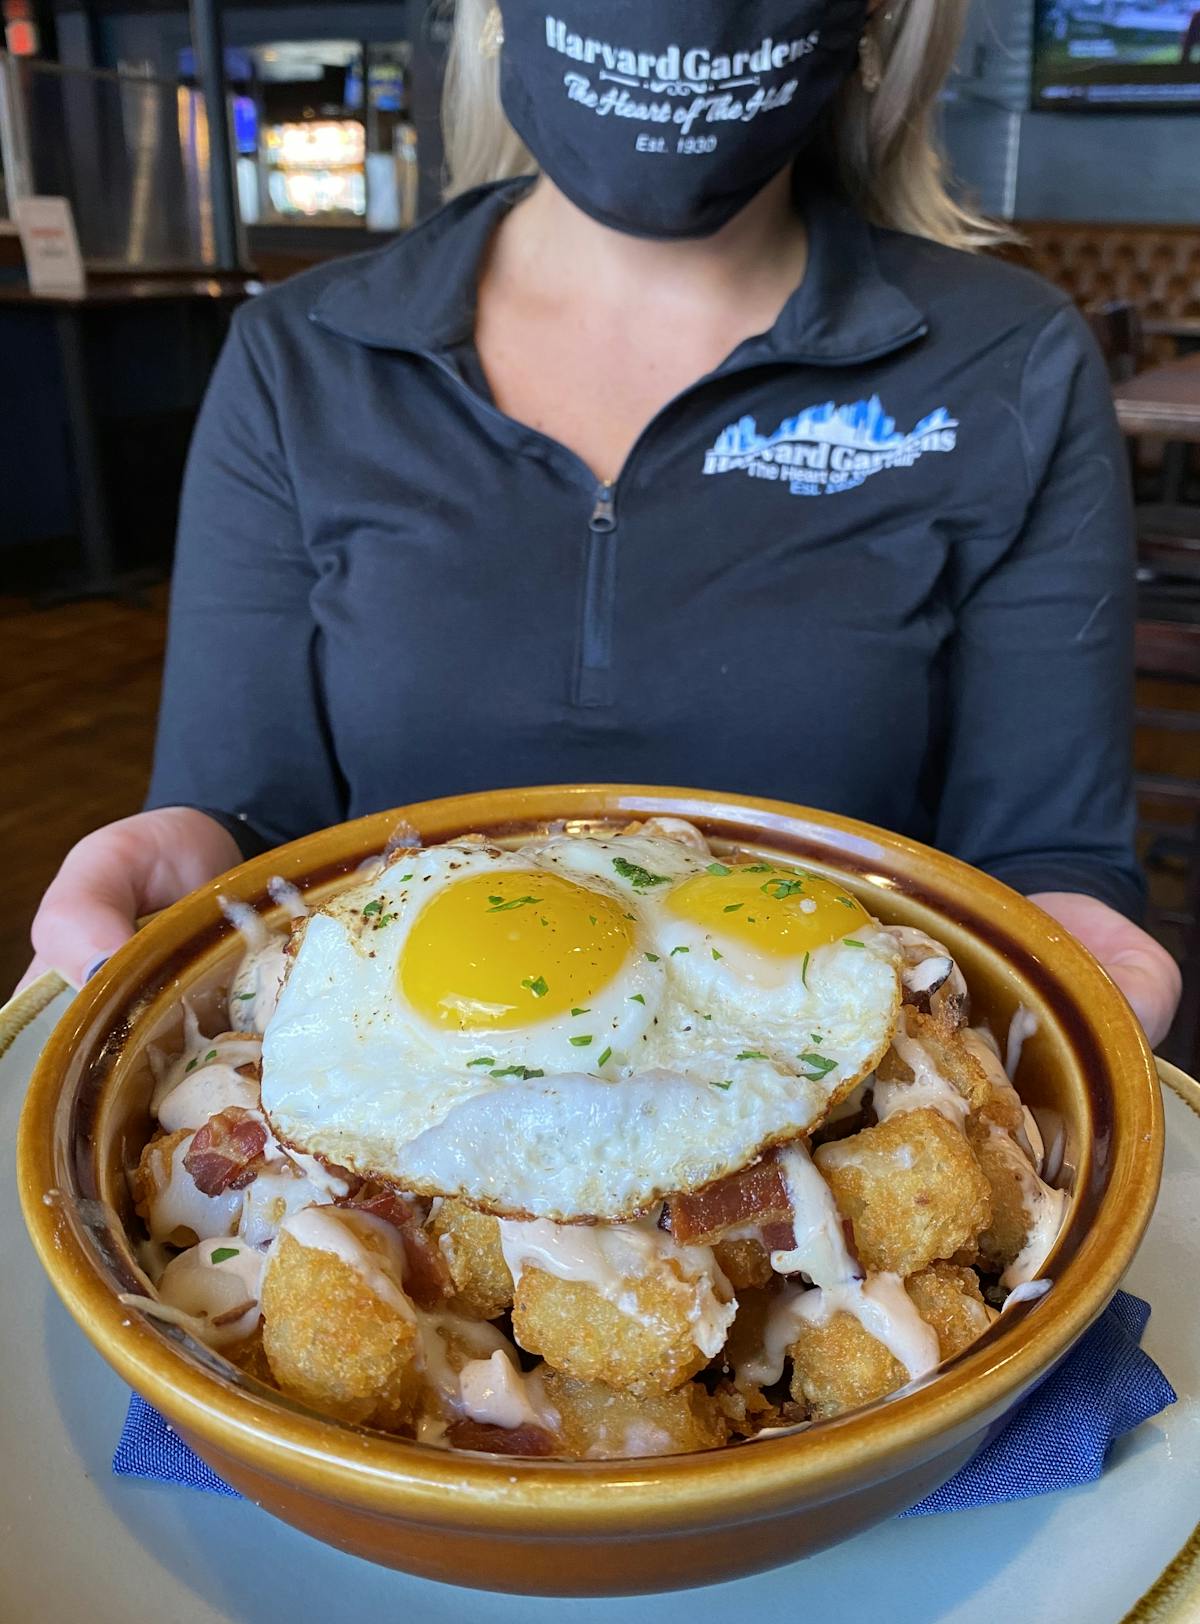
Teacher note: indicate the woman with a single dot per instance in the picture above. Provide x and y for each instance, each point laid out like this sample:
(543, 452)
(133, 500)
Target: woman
(709, 457)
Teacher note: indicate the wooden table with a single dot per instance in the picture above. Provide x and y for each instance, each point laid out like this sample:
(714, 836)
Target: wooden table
(1163, 401)
(98, 575)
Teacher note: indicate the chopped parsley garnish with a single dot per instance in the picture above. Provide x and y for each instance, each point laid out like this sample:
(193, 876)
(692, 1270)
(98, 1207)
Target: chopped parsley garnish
(580, 1043)
(804, 969)
(243, 997)
(640, 878)
(653, 957)
(591, 919)
(852, 941)
(732, 907)
(636, 998)
(752, 1054)
(759, 868)
(372, 908)
(211, 1055)
(728, 1083)
(604, 1059)
(815, 1037)
(522, 1072)
(400, 879)
(484, 1060)
(498, 904)
(536, 985)
(223, 1254)
(717, 955)
(385, 919)
(718, 868)
(819, 1065)
(846, 902)
(582, 1009)
(780, 888)
(675, 950)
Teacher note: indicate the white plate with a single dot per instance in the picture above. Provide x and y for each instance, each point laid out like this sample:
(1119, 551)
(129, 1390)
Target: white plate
(77, 1543)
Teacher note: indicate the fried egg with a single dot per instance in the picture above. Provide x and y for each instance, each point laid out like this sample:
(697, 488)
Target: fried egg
(577, 1028)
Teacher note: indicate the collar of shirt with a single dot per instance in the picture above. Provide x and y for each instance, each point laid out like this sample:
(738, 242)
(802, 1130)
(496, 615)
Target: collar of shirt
(419, 293)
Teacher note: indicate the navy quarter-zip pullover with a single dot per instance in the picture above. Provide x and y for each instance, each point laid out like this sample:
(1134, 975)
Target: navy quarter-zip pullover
(879, 561)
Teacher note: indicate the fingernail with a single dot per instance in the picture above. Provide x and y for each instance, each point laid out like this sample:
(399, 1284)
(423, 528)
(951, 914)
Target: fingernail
(94, 966)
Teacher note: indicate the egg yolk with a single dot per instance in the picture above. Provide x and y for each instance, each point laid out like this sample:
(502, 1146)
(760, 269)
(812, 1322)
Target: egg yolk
(781, 912)
(510, 949)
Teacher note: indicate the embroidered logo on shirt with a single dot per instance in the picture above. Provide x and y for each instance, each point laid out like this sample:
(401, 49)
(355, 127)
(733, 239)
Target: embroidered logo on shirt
(827, 449)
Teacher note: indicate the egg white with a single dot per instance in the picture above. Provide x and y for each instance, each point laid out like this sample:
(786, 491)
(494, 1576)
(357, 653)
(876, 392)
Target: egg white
(707, 1059)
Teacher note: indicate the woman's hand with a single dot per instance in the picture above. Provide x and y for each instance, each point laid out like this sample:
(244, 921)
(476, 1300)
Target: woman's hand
(1145, 972)
(117, 874)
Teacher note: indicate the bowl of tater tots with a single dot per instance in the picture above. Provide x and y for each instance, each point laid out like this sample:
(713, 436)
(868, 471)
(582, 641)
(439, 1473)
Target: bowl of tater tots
(592, 1189)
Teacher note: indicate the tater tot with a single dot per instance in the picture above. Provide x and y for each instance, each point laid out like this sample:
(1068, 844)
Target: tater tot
(838, 1365)
(965, 1060)
(332, 1341)
(949, 1299)
(579, 1332)
(470, 1243)
(600, 1424)
(744, 1263)
(1005, 1167)
(911, 1189)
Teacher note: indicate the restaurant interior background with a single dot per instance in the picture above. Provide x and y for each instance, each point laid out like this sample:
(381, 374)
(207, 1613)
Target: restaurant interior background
(1076, 119)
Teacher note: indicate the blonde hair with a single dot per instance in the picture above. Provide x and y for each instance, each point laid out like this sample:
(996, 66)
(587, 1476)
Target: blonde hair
(883, 144)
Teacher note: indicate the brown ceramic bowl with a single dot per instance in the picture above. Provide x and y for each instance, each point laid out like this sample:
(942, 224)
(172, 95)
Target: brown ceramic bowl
(596, 1528)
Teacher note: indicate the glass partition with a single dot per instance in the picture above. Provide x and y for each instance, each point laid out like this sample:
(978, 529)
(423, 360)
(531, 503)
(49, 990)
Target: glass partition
(129, 152)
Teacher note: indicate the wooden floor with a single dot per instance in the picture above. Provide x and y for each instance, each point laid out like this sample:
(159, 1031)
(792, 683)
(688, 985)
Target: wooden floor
(78, 702)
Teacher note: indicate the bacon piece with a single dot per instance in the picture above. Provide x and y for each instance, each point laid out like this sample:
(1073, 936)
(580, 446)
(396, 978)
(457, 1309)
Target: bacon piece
(383, 1201)
(755, 1195)
(227, 1152)
(778, 1237)
(525, 1440)
(251, 1071)
(427, 1277)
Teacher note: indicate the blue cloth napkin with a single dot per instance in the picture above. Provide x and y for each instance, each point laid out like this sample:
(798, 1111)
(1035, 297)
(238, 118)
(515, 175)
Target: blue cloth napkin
(1058, 1438)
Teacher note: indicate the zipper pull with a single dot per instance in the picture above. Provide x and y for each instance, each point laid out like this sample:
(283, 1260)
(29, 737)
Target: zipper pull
(603, 519)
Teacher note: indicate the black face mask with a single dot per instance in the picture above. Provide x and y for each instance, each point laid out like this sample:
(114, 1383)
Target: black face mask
(663, 118)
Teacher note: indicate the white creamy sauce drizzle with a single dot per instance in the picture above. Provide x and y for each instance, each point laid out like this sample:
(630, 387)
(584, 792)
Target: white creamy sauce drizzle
(176, 1204)
(494, 1391)
(1031, 1291)
(245, 921)
(1030, 1139)
(286, 895)
(1021, 1028)
(194, 1291)
(820, 1250)
(1046, 1208)
(928, 975)
(206, 1092)
(928, 1089)
(256, 986)
(611, 1257)
(885, 1311)
(196, 1285)
(271, 1198)
(879, 1303)
(231, 1049)
(919, 950)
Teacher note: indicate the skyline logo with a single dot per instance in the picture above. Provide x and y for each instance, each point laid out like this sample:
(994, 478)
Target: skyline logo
(829, 448)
